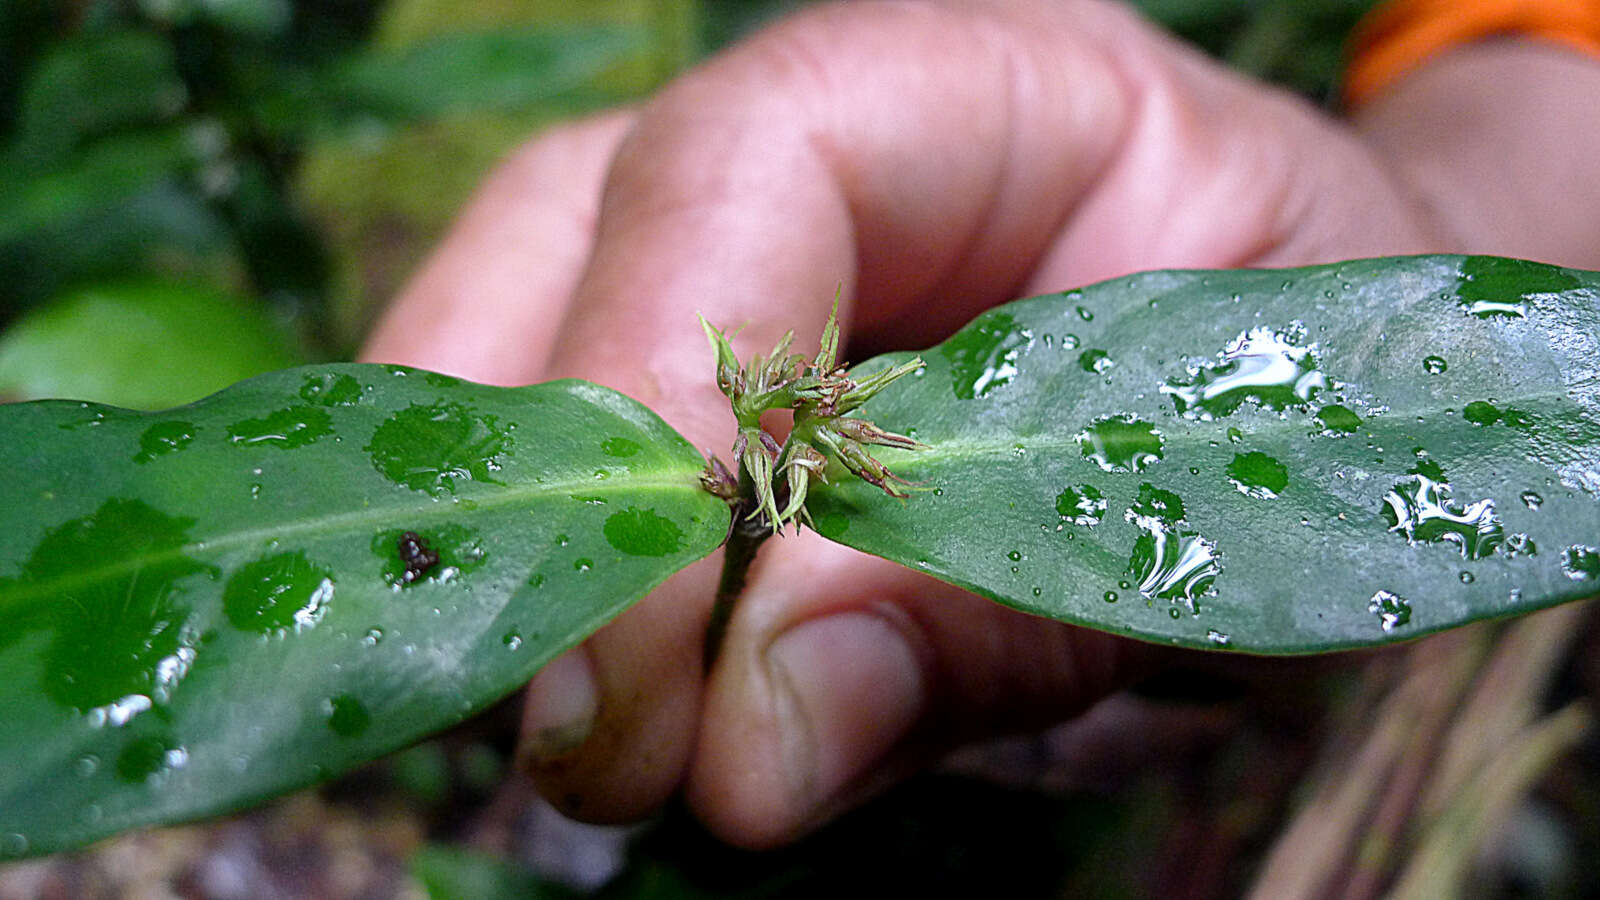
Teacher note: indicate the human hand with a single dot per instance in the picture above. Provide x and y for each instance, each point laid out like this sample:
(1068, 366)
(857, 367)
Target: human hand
(937, 158)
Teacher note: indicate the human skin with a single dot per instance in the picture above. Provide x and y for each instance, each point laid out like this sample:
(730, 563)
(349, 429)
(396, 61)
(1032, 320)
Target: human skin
(935, 159)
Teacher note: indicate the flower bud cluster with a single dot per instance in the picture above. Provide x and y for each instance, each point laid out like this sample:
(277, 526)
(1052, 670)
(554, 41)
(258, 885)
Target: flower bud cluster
(822, 394)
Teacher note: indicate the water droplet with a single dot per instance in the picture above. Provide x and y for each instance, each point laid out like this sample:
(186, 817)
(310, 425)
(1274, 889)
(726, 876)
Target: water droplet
(1484, 413)
(583, 564)
(620, 447)
(373, 637)
(1434, 365)
(1121, 443)
(938, 492)
(296, 426)
(1235, 435)
(86, 765)
(1070, 342)
(983, 356)
(1258, 475)
(435, 448)
(1111, 596)
(1530, 499)
(512, 640)
(255, 491)
(1097, 362)
(1467, 578)
(1014, 556)
(1194, 470)
(601, 474)
(347, 716)
(1156, 504)
(125, 640)
(149, 756)
(1490, 286)
(163, 438)
(330, 389)
(1420, 509)
(641, 532)
(1217, 637)
(278, 594)
(1081, 505)
(1520, 544)
(1261, 366)
(536, 580)
(1038, 592)
(1581, 563)
(562, 540)
(1085, 314)
(1391, 609)
(1337, 419)
(1172, 565)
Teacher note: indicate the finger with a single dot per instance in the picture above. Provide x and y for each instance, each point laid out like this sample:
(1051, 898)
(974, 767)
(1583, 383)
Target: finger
(823, 152)
(842, 673)
(487, 304)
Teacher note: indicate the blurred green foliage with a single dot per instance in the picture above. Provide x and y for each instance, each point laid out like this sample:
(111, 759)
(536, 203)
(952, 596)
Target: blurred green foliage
(304, 154)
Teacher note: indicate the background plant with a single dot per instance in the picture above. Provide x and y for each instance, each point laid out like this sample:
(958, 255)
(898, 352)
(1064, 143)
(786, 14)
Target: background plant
(373, 228)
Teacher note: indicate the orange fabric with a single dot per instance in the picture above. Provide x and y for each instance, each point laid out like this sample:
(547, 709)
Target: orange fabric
(1403, 34)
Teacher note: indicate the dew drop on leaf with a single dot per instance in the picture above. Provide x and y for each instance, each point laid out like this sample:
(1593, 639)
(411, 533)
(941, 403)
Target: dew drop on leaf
(1434, 365)
(436, 448)
(1420, 509)
(1081, 504)
(983, 356)
(1258, 475)
(278, 594)
(1391, 609)
(1120, 443)
(330, 389)
(296, 426)
(347, 716)
(1263, 366)
(163, 438)
(1581, 563)
(642, 532)
(620, 447)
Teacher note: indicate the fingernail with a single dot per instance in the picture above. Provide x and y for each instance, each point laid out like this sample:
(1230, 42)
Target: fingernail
(560, 711)
(849, 686)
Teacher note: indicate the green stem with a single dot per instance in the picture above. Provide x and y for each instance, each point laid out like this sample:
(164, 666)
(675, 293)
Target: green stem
(744, 539)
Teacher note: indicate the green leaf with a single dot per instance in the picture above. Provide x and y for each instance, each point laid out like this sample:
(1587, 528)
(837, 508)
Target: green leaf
(141, 345)
(210, 605)
(1264, 461)
(489, 70)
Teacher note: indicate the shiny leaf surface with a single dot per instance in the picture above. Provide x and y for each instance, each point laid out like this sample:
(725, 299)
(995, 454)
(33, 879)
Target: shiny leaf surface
(1263, 461)
(209, 605)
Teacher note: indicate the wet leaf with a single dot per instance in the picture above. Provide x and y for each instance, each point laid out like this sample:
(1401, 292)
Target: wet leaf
(1288, 461)
(210, 605)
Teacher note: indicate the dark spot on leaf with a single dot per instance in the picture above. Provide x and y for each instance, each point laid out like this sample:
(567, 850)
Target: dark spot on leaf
(415, 556)
(456, 548)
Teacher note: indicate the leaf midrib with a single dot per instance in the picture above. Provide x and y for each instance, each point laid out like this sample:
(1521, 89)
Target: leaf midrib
(433, 511)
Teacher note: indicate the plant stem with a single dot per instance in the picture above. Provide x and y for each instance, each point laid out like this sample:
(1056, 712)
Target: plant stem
(744, 539)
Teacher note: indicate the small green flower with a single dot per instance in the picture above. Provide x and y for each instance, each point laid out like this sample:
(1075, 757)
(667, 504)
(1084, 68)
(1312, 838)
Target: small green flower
(821, 393)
